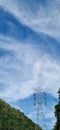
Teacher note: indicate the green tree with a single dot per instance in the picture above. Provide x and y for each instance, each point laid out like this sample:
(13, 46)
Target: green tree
(12, 119)
(57, 113)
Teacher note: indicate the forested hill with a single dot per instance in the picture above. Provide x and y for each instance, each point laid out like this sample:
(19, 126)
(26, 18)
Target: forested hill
(12, 119)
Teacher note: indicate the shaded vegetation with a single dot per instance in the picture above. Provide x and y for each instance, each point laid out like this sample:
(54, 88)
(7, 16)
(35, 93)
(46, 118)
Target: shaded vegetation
(12, 119)
(57, 113)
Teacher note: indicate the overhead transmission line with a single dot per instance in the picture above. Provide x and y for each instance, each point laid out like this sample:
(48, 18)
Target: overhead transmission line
(38, 93)
(40, 112)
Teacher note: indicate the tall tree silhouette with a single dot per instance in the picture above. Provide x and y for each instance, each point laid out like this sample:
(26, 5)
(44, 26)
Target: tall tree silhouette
(57, 113)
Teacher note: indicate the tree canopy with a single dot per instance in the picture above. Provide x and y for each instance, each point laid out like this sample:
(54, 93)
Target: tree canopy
(57, 113)
(12, 119)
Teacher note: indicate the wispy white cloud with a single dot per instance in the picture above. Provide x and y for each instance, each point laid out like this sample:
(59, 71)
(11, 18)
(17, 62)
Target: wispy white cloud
(25, 70)
(25, 66)
(40, 16)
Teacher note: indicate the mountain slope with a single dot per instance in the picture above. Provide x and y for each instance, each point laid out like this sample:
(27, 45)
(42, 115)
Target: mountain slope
(12, 119)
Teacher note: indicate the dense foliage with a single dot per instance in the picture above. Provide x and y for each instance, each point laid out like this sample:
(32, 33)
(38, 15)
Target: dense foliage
(12, 119)
(57, 114)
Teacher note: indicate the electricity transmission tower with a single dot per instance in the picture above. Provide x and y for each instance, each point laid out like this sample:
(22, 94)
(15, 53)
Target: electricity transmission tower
(40, 113)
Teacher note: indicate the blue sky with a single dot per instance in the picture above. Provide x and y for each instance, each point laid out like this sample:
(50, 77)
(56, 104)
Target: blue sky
(30, 54)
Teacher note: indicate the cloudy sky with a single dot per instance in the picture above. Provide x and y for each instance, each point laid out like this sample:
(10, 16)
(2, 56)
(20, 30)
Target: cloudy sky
(30, 54)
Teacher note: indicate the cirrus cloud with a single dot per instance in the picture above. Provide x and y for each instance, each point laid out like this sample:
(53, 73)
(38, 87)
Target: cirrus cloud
(23, 69)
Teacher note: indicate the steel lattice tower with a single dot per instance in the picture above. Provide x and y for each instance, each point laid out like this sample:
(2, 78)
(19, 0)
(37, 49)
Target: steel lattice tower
(40, 113)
